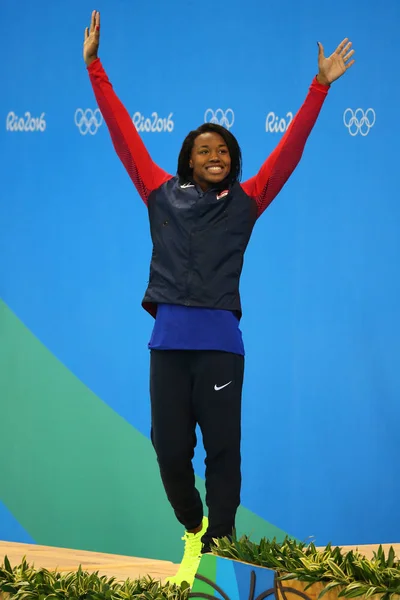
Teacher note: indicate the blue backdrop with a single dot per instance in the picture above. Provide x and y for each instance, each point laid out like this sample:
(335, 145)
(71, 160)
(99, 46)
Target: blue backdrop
(320, 288)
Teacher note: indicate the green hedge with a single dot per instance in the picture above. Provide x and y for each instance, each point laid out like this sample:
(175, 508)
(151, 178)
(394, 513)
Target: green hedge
(350, 572)
(24, 582)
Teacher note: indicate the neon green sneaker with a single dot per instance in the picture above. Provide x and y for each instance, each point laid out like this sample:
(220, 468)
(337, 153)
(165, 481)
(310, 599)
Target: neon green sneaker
(191, 557)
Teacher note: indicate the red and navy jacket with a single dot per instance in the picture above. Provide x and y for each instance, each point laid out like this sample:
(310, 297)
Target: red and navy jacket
(199, 238)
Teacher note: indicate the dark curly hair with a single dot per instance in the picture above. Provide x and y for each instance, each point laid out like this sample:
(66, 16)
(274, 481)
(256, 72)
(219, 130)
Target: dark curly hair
(184, 170)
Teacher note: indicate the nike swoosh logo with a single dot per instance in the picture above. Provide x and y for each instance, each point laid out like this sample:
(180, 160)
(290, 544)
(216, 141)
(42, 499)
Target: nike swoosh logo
(187, 185)
(216, 388)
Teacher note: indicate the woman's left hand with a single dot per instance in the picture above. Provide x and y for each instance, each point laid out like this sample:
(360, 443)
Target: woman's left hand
(336, 64)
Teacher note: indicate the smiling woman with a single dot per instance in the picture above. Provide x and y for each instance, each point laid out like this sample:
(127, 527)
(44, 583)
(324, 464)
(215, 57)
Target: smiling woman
(210, 155)
(210, 159)
(201, 221)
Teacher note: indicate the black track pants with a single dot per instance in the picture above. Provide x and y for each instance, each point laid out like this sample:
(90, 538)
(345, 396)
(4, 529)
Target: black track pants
(204, 387)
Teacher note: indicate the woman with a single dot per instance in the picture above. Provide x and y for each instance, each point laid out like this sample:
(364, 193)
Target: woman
(201, 221)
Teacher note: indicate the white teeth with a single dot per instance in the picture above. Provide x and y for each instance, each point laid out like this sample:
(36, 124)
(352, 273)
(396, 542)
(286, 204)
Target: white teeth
(216, 169)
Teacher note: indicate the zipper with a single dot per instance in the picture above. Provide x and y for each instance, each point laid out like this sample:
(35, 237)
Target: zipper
(187, 301)
(201, 195)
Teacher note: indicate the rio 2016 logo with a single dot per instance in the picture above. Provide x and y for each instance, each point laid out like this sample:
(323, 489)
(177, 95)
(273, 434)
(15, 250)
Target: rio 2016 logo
(274, 124)
(154, 124)
(26, 123)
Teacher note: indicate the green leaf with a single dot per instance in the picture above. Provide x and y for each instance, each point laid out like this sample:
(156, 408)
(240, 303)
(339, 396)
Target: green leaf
(328, 588)
(391, 557)
(372, 590)
(7, 587)
(336, 570)
(7, 565)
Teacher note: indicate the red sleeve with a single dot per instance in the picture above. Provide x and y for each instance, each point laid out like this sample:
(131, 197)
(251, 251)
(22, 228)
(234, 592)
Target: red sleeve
(278, 167)
(145, 174)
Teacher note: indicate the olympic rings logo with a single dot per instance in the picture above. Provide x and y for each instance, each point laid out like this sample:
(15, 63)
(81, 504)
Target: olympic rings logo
(88, 121)
(226, 118)
(359, 121)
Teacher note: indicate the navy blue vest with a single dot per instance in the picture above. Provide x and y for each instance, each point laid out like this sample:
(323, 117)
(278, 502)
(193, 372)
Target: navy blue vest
(199, 240)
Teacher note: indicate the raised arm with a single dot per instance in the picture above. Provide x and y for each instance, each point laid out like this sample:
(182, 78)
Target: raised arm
(278, 167)
(145, 174)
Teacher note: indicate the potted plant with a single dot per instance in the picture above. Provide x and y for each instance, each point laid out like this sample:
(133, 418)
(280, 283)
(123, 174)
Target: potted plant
(24, 582)
(240, 569)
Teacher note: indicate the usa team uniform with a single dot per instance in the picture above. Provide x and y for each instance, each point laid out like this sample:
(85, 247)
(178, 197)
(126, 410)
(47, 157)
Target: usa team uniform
(197, 354)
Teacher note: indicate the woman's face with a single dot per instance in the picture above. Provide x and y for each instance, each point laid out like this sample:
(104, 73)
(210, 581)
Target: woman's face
(210, 160)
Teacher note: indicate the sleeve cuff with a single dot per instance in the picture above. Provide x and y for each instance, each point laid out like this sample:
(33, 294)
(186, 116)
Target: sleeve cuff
(92, 67)
(316, 85)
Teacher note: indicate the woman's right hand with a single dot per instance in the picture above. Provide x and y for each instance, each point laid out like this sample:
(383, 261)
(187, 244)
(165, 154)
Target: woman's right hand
(92, 39)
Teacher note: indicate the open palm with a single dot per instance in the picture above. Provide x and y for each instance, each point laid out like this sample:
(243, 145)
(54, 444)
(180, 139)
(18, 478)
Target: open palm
(92, 39)
(336, 64)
